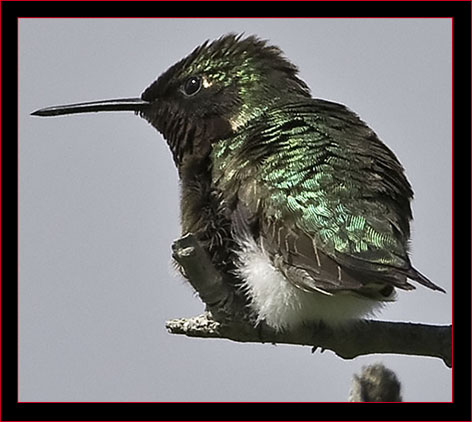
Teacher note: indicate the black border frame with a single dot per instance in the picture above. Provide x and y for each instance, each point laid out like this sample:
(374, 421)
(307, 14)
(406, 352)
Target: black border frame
(459, 409)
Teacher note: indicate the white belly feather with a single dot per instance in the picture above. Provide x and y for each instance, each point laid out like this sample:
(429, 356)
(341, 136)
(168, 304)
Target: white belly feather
(281, 305)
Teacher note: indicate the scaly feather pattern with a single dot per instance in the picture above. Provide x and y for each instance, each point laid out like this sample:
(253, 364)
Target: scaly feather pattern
(332, 200)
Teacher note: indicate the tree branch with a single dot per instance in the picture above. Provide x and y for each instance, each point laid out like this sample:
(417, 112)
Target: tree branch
(226, 319)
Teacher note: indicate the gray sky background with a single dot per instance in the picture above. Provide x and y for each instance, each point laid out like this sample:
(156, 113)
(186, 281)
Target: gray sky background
(98, 208)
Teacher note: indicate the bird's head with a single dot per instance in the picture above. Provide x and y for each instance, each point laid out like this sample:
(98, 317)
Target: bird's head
(215, 90)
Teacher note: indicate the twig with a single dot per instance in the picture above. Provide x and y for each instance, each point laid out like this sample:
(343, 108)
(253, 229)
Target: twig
(364, 337)
(203, 276)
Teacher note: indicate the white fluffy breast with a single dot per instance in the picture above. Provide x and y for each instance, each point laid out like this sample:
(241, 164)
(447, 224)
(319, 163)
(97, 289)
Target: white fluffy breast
(282, 305)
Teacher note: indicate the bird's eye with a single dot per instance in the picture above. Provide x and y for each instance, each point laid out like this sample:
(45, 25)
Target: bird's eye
(192, 85)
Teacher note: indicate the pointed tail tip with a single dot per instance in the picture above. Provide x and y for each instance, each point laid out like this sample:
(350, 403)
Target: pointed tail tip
(420, 278)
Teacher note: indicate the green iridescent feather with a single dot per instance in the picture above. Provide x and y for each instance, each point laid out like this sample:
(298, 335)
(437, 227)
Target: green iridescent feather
(316, 167)
(305, 178)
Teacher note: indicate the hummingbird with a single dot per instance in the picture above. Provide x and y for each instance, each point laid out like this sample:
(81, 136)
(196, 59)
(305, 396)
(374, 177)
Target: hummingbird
(299, 204)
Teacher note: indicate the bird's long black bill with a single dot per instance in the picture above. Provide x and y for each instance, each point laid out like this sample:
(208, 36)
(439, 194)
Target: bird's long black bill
(122, 104)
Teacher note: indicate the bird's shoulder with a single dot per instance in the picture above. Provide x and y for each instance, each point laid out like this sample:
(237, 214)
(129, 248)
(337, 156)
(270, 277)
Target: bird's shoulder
(318, 158)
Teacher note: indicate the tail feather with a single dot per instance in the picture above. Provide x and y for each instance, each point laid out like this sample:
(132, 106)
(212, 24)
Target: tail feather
(415, 275)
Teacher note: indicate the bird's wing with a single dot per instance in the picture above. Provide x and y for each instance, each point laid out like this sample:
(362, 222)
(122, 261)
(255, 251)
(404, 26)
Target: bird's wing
(332, 201)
